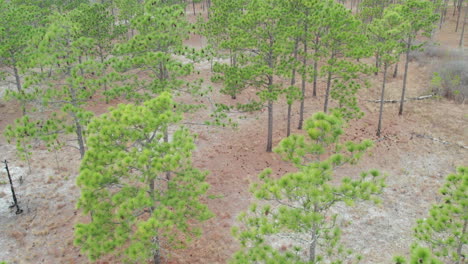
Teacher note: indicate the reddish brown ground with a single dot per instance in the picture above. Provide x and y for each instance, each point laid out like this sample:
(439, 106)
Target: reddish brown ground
(415, 166)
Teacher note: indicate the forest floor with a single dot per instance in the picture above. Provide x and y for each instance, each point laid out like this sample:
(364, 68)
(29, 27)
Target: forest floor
(416, 168)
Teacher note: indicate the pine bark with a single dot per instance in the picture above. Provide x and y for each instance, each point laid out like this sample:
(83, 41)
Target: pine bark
(293, 82)
(379, 126)
(303, 77)
(405, 77)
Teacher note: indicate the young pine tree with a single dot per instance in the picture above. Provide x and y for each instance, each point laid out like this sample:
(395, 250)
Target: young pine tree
(445, 229)
(420, 16)
(19, 24)
(386, 33)
(419, 255)
(297, 205)
(136, 210)
(161, 31)
(261, 36)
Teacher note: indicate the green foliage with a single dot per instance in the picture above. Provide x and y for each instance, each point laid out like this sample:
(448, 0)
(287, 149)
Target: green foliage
(342, 41)
(372, 9)
(386, 34)
(296, 206)
(73, 77)
(16, 30)
(161, 32)
(94, 21)
(20, 23)
(136, 208)
(419, 255)
(257, 36)
(445, 229)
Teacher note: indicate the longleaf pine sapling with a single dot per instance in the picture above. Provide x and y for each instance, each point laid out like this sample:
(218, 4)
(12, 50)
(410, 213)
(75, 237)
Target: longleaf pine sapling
(136, 210)
(445, 229)
(297, 205)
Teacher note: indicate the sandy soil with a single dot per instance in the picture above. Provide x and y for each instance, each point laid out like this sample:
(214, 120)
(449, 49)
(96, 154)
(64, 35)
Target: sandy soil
(415, 166)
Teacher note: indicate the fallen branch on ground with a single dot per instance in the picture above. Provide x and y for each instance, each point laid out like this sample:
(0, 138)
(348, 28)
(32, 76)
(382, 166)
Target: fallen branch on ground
(437, 140)
(408, 99)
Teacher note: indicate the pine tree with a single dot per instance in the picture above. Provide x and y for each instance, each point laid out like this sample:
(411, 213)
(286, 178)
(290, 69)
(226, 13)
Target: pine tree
(261, 35)
(161, 31)
(19, 24)
(73, 78)
(445, 229)
(297, 205)
(386, 34)
(343, 42)
(420, 16)
(135, 208)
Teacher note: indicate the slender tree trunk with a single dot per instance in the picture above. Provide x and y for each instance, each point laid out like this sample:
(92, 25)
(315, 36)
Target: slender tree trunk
(454, 7)
(193, 5)
(157, 254)
(395, 72)
(270, 118)
(313, 245)
(78, 126)
(234, 64)
(376, 64)
(166, 140)
(79, 134)
(155, 240)
(382, 95)
(405, 76)
(460, 44)
(303, 76)
(460, 242)
(327, 91)
(19, 87)
(314, 91)
(458, 16)
(293, 82)
(313, 238)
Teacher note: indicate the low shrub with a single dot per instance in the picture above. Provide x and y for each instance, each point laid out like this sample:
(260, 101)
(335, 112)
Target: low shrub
(451, 80)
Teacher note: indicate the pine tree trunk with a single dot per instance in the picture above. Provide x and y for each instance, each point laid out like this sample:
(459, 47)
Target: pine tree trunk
(454, 7)
(405, 76)
(234, 64)
(327, 92)
(460, 45)
(395, 72)
(157, 257)
(314, 91)
(166, 140)
(303, 76)
(19, 88)
(379, 127)
(313, 246)
(376, 64)
(155, 240)
(293, 82)
(78, 127)
(288, 130)
(79, 134)
(270, 126)
(458, 16)
(460, 242)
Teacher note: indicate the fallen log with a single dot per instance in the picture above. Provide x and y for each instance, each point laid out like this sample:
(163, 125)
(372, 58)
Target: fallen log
(438, 140)
(424, 97)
